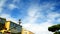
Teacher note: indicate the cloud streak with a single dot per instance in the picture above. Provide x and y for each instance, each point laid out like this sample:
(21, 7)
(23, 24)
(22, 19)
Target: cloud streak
(43, 12)
(8, 17)
(38, 19)
(2, 4)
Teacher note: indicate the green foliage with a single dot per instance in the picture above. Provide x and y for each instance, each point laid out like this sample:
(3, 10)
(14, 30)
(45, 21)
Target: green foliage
(57, 33)
(54, 28)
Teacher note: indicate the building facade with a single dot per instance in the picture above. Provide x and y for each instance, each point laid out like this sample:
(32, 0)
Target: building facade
(9, 27)
(24, 31)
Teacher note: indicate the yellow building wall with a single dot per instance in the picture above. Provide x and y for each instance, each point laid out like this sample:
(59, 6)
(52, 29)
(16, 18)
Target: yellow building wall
(24, 31)
(7, 25)
(31, 32)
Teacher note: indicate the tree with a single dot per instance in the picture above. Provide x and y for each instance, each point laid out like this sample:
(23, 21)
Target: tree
(55, 28)
(57, 33)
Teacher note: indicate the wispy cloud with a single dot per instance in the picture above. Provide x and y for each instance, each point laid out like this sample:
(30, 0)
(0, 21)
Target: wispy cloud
(8, 17)
(12, 6)
(2, 4)
(34, 13)
(38, 28)
(39, 17)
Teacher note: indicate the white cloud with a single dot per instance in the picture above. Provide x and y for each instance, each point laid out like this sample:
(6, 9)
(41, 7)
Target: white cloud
(12, 6)
(35, 12)
(1, 10)
(52, 16)
(38, 28)
(32, 14)
(32, 11)
(2, 4)
(9, 18)
(58, 20)
(31, 24)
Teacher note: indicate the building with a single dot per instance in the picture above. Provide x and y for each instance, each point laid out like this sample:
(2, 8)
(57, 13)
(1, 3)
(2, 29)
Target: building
(13, 27)
(2, 24)
(9, 27)
(24, 31)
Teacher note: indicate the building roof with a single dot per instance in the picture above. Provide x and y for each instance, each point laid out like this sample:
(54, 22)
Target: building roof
(2, 18)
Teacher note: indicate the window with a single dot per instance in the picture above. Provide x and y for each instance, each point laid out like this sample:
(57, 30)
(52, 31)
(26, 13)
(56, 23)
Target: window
(25, 32)
(0, 32)
(15, 26)
(2, 20)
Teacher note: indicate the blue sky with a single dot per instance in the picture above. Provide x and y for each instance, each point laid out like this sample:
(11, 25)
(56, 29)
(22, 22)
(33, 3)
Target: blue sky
(36, 15)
